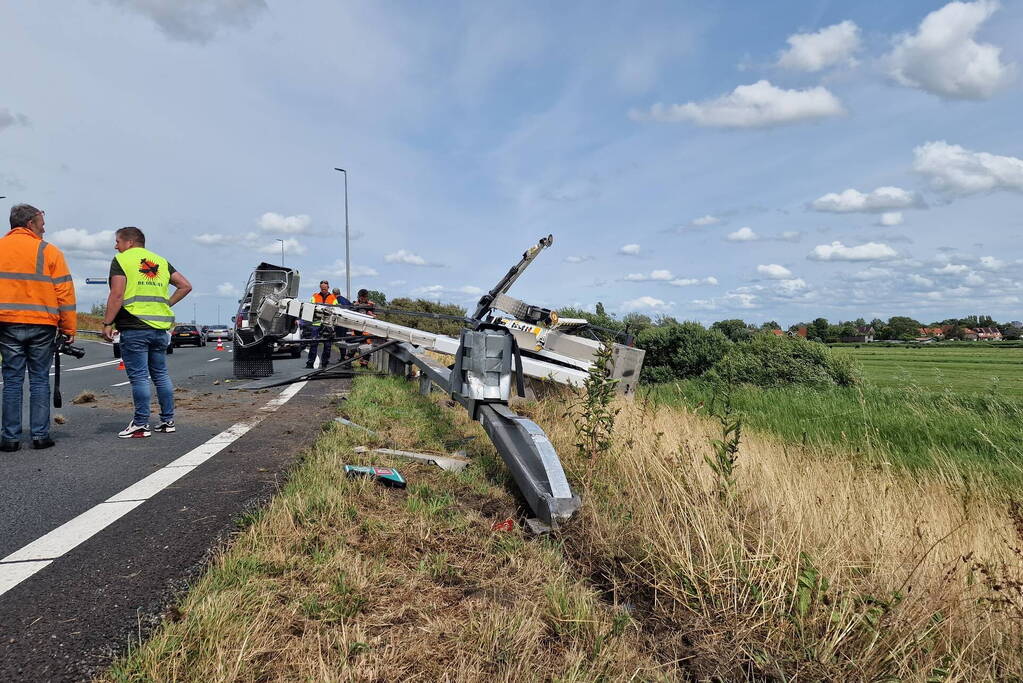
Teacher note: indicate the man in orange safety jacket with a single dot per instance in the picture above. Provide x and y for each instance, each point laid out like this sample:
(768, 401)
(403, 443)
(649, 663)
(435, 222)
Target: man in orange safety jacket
(37, 298)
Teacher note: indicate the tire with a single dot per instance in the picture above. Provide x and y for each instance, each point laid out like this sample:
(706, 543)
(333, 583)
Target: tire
(254, 361)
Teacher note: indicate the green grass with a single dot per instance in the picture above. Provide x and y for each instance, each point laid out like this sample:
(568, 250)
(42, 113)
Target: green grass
(969, 367)
(911, 427)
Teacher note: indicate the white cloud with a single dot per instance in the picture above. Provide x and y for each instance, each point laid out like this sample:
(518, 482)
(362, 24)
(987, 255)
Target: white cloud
(705, 220)
(646, 303)
(428, 289)
(469, 289)
(973, 280)
(216, 239)
(9, 119)
(629, 249)
(690, 281)
(959, 171)
(406, 257)
(338, 270)
(991, 263)
(920, 280)
(872, 274)
(951, 269)
(836, 251)
(774, 271)
(943, 58)
(289, 246)
(741, 300)
(891, 219)
(578, 259)
(396, 283)
(77, 241)
(192, 21)
(662, 275)
(792, 286)
(229, 290)
(827, 47)
(276, 224)
(750, 106)
(742, 235)
(790, 236)
(881, 199)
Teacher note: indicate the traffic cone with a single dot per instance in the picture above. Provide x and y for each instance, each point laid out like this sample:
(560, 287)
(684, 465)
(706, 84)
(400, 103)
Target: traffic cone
(220, 345)
(120, 366)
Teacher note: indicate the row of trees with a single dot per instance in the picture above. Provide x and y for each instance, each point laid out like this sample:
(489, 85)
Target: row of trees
(903, 328)
(895, 328)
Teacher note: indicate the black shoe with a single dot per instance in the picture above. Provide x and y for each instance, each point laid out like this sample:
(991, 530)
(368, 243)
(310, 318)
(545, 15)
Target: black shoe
(9, 446)
(309, 366)
(43, 443)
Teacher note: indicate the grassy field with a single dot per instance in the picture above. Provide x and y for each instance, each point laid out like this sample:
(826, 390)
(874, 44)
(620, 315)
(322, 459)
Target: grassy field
(793, 567)
(970, 367)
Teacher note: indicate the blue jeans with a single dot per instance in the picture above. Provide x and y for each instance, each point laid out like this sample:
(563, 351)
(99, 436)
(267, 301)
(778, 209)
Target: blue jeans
(144, 353)
(31, 346)
(312, 347)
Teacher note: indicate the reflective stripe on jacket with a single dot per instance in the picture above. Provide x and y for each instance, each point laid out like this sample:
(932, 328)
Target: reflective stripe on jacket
(147, 292)
(319, 298)
(35, 283)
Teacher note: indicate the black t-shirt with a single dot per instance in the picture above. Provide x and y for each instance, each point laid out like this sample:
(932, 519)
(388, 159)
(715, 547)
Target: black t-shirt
(124, 319)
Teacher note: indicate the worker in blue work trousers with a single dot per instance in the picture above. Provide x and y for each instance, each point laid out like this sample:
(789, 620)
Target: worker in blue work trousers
(321, 297)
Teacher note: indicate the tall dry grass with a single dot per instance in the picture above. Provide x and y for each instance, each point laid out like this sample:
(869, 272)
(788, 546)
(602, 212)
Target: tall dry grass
(815, 569)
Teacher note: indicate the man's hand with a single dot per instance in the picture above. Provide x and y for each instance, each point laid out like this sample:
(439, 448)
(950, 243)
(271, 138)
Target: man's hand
(109, 333)
(69, 338)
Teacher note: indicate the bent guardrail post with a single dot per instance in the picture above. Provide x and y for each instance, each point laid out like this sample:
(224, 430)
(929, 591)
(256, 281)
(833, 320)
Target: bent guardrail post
(481, 380)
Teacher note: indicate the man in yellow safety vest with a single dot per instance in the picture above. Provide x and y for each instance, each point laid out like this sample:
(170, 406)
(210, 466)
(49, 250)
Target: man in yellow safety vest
(139, 306)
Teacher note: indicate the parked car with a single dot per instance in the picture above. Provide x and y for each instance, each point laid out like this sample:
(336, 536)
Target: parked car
(186, 334)
(217, 332)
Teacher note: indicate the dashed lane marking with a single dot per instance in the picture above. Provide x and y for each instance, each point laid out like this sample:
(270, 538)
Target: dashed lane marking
(121, 384)
(26, 561)
(212, 359)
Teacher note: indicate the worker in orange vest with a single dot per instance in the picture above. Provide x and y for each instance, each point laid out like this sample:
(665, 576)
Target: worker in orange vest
(37, 298)
(321, 297)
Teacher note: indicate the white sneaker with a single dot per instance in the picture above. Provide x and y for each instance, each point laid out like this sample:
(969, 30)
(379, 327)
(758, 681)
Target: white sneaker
(165, 427)
(134, 431)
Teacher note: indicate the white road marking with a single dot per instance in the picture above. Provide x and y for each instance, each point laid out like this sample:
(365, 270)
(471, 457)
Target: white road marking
(121, 384)
(26, 561)
(90, 367)
(16, 573)
(212, 359)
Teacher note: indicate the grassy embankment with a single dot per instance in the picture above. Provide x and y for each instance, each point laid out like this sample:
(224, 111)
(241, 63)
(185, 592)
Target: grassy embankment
(806, 567)
(957, 408)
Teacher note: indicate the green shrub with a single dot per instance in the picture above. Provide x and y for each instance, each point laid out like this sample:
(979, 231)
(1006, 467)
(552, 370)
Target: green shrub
(770, 361)
(680, 351)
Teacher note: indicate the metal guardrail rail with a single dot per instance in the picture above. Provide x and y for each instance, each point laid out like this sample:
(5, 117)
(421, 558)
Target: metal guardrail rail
(521, 443)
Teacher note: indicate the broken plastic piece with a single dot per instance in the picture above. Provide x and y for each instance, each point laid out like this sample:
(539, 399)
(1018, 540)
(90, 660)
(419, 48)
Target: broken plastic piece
(349, 423)
(388, 476)
(445, 463)
(506, 525)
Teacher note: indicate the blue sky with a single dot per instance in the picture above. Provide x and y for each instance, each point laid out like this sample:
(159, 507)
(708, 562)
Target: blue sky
(770, 161)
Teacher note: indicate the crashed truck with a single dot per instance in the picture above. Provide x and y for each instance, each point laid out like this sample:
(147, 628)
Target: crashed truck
(504, 342)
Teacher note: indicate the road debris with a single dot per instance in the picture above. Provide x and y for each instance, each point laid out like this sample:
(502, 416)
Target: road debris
(441, 461)
(84, 397)
(506, 525)
(388, 476)
(349, 423)
(59, 419)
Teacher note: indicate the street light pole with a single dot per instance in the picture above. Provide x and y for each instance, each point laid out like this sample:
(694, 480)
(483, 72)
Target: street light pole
(348, 262)
(282, 250)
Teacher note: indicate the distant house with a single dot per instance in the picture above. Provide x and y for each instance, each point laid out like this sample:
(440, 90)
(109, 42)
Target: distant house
(969, 334)
(864, 335)
(988, 334)
(933, 332)
(777, 333)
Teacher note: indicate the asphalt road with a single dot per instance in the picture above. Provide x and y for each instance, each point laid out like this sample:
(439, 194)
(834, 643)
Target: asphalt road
(85, 597)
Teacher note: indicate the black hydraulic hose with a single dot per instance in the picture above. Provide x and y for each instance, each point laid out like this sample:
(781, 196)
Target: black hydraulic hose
(348, 361)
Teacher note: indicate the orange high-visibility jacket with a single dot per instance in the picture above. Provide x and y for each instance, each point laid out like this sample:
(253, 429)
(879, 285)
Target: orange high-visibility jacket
(35, 283)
